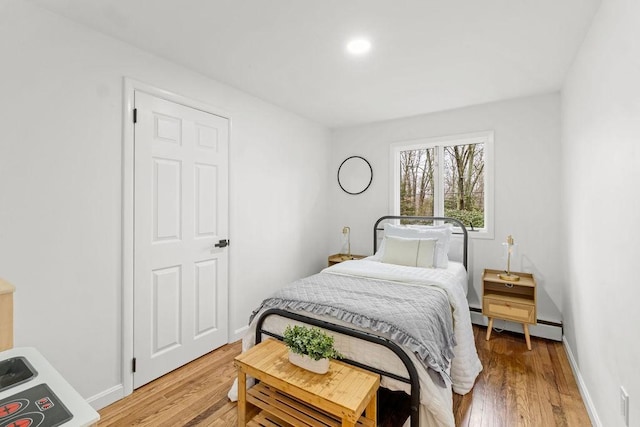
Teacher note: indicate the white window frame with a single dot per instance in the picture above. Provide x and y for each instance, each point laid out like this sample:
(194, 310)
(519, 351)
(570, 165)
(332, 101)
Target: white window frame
(485, 137)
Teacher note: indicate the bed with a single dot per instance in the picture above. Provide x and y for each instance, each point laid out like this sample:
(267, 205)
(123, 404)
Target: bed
(401, 313)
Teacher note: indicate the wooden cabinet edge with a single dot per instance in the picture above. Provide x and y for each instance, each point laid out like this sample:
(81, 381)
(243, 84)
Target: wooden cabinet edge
(6, 315)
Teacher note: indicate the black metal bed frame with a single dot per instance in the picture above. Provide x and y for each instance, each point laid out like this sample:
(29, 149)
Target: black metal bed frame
(413, 379)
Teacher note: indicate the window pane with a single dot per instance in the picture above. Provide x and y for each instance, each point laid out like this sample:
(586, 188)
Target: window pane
(416, 182)
(464, 183)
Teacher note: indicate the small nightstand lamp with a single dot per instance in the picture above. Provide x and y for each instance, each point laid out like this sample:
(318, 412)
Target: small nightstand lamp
(510, 249)
(346, 231)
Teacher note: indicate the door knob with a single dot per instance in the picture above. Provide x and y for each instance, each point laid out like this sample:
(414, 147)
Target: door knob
(222, 244)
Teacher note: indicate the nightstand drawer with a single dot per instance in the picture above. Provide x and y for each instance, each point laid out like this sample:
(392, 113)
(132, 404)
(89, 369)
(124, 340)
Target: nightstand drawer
(505, 309)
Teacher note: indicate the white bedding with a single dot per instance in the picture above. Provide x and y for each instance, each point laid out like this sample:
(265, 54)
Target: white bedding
(455, 272)
(436, 401)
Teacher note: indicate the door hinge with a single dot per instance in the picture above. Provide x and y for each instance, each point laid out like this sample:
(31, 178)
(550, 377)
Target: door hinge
(135, 115)
(133, 364)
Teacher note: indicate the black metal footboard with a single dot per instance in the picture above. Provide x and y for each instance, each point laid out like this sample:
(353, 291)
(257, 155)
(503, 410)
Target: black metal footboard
(413, 373)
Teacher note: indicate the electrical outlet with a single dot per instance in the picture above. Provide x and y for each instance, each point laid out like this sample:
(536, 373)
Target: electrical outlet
(624, 405)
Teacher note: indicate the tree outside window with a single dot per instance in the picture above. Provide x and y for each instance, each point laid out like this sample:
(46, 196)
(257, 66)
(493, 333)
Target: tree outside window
(416, 182)
(445, 178)
(464, 183)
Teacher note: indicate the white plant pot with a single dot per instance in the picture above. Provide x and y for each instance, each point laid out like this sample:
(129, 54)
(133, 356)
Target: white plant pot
(318, 366)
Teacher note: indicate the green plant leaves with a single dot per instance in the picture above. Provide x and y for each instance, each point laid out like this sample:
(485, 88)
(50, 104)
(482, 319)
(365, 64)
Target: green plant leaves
(312, 342)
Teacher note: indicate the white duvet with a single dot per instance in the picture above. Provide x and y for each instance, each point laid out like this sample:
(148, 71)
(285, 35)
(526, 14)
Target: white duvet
(436, 401)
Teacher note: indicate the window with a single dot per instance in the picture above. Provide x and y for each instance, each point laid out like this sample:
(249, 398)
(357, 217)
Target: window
(449, 176)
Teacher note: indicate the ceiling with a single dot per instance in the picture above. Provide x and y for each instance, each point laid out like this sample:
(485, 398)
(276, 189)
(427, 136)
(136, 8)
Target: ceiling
(427, 55)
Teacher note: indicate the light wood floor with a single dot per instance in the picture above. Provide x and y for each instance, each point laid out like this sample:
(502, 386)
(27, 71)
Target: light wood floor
(516, 388)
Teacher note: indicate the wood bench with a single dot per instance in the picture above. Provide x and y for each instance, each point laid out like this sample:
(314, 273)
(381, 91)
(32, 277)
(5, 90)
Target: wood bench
(287, 395)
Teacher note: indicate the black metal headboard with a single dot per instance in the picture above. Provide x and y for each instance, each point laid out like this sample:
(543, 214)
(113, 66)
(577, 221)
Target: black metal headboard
(454, 221)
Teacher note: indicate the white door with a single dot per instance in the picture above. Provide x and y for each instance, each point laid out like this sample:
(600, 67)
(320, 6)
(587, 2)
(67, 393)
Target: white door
(180, 215)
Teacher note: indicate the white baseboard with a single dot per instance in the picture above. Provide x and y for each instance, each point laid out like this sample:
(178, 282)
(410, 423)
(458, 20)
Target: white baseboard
(106, 397)
(591, 409)
(238, 334)
(551, 332)
(116, 393)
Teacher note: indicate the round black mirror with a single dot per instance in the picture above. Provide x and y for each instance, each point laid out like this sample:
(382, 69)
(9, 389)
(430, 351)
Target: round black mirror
(355, 175)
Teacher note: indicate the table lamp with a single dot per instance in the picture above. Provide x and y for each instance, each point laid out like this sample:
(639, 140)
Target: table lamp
(510, 249)
(346, 231)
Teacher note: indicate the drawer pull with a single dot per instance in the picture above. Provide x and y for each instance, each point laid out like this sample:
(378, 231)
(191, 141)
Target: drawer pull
(508, 285)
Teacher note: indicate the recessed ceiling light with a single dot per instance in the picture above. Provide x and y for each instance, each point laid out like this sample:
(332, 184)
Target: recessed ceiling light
(358, 46)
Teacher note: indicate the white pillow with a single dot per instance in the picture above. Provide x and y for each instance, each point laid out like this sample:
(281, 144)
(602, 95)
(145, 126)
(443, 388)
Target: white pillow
(441, 233)
(456, 248)
(409, 252)
(456, 242)
(400, 251)
(426, 253)
(429, 227)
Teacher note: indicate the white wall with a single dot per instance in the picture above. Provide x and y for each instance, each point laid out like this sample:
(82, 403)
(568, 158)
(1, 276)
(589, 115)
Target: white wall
(61, 104)
(527, 195)
(601, 172)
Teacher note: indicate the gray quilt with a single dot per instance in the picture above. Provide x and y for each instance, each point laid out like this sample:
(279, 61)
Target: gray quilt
(416, 317)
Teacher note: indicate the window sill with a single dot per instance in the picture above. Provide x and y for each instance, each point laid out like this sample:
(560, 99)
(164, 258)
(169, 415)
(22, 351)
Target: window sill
(480, 234)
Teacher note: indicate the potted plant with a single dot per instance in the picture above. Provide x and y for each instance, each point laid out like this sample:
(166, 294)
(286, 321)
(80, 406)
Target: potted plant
(310, 348)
